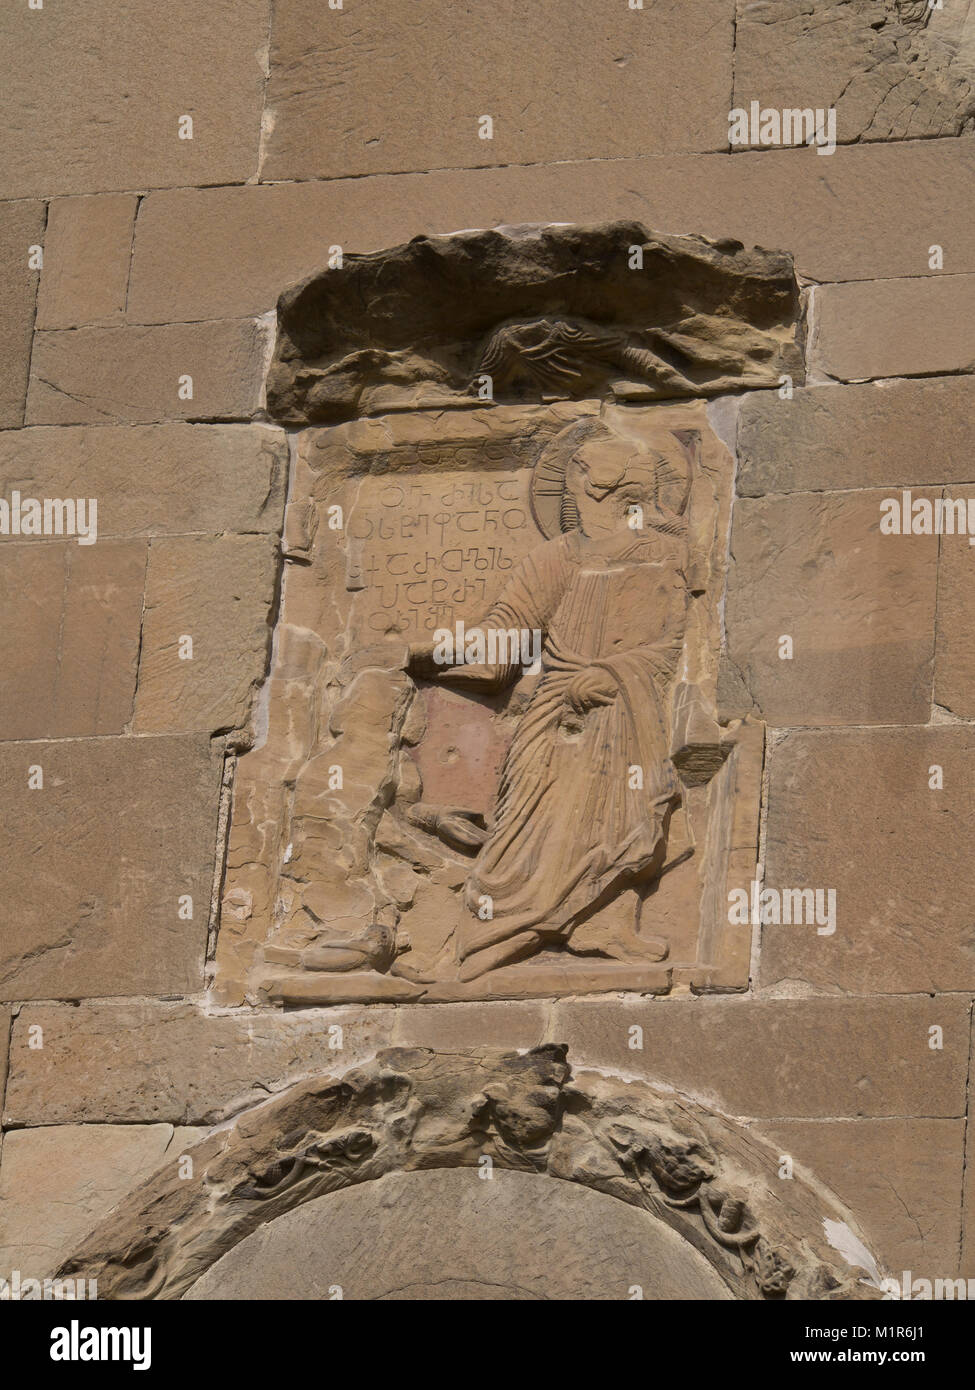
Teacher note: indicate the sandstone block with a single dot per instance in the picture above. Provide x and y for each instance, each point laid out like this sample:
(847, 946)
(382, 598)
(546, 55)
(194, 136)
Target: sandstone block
(219, 592)
(446, 1235)
(95, 96)
(374, 80)
(902, 72)
(954, 662)
(250, 242)
(94, 863)
(21, 227)
(144, 1063)
(894, 434)
(901, 1179)
(857, 605)
(854, 811)
(72, 616)
(58, 1182)
(155, 480)
(118, 375)
(518, 1024)
(87, 251)
(794, 1058)
(896, 328)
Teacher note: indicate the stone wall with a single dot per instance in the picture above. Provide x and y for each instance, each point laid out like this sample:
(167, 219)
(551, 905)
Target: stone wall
(139, 276)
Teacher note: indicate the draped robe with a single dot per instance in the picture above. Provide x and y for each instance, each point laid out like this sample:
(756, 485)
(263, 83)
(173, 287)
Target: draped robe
(568, 823)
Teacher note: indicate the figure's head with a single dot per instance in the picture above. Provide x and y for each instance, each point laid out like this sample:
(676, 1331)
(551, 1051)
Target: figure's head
(596, 479)
(605, 482)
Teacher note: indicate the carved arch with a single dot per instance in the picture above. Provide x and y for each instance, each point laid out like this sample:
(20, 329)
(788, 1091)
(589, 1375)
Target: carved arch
(708, 1178)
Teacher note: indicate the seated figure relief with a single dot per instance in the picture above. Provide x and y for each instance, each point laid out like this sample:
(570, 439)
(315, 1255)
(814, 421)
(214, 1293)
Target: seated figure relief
(587, 787)
(561, 802)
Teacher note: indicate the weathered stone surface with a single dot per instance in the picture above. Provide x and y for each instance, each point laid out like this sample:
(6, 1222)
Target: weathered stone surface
(784, 1057)
(519, 1024)
(858, 606)
(87, 252)
(900, 71)
(545, 312)
(21, 227)
(449, 1235)
(894, 433)
(4, 1040)
(854, 811)
(71, 623)
(155, 479)
(902, 1178)
(954, 661)
(369, 829)
(92, 99)
(896, 328)
(220, 592)
(249, 242)
(113, 375)
(968, 1203)
(375, 81)
(142, 1063)
(413, 1109)
(95, 863)
(58, 1183)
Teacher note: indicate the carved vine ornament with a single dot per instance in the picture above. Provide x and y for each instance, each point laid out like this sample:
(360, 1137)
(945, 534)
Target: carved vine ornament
(413, 1109)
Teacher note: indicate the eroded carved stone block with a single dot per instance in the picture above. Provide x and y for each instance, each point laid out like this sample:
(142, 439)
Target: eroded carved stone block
(492, 765)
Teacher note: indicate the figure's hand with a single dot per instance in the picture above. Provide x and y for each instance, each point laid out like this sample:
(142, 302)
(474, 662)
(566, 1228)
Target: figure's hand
(593, 686)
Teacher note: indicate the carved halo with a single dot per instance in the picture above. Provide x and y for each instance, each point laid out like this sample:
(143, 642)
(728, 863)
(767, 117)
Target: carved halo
(551, 506)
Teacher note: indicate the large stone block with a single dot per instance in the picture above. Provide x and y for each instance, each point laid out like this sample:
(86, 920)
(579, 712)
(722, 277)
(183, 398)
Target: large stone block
(854, 811)
(891, 72)
(94, 94)
(515, 1024)
(58, 1182)
(93, 865)
(916, 327)
(143, 1063)
(249, 243)
(116, 375)
(155, 480)
(21, 227)
(586, 81)
(448, 1236)
(901, 1178)
(791, 1058)
(954, 662)
(893, 434)
(858, 606)
(71, 622)
(219, 591)
(87, 252)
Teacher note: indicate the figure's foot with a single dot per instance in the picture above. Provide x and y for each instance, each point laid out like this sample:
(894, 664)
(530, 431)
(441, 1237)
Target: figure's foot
(516, 948)
(636, 950)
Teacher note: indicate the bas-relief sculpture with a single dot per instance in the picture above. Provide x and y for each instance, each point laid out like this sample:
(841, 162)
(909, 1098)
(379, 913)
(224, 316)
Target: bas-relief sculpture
(707, 1178)
(558, 810)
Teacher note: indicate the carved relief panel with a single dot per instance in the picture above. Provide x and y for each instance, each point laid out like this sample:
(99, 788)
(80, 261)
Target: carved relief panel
(489, 763)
